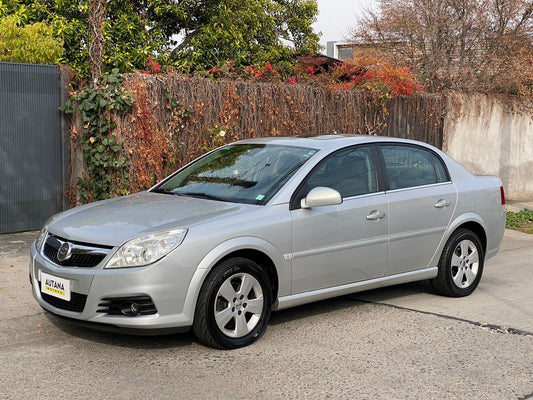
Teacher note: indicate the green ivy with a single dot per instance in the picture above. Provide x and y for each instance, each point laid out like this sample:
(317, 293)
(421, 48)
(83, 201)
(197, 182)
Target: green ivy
(180, 109)
(106, 169)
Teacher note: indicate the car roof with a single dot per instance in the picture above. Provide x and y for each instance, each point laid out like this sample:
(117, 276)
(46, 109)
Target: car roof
(329, 142)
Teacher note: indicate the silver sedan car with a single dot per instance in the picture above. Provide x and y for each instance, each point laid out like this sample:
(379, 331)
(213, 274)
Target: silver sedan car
(265, 224)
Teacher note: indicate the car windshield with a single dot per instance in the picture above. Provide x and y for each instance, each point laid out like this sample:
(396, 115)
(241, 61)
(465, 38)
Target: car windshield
(240, 173)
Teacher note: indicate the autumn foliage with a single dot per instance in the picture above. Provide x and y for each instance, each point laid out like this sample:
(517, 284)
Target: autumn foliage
(373, 73)
(368, 72)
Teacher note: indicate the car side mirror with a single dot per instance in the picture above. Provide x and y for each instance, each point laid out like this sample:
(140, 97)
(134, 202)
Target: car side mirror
(321, 196)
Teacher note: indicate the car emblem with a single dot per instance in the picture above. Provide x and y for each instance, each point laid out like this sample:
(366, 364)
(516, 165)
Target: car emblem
(64, 252)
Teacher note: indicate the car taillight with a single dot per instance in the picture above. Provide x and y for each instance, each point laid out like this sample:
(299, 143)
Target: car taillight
(502, 193)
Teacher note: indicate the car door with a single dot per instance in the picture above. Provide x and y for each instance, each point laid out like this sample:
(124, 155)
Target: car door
(421, 201)
(339, 244)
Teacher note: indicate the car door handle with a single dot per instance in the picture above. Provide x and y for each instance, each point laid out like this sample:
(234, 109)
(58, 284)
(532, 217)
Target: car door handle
(442, 203)
(375, 215)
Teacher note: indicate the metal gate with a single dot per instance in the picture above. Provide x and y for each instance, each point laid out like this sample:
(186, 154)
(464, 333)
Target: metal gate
(33, 149)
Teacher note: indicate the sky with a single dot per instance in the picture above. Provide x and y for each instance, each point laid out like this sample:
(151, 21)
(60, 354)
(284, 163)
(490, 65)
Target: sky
(337, 17)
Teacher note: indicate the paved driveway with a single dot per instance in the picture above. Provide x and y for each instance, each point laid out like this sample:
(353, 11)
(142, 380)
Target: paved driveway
(402, 342)
(503, 299)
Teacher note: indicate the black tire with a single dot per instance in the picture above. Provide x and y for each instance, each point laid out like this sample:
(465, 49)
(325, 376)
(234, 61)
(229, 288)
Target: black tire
(460, 265)
(248, 317)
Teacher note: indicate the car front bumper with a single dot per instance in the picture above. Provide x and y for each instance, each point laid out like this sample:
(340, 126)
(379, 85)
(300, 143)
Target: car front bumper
(166, 282)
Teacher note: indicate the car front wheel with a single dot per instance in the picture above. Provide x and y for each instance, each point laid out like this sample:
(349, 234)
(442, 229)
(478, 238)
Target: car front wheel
(234, 305)
(460, 265)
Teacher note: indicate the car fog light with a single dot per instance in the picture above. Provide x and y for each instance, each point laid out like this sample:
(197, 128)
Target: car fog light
(129, 308)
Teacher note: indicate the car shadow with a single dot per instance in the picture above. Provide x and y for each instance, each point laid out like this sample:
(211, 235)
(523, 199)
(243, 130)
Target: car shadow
(380, 295)
(166, 341)
(312, 309)
(393, 292)
(281, 317)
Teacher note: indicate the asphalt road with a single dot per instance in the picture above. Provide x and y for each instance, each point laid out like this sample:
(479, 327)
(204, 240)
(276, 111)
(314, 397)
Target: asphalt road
(402, 342)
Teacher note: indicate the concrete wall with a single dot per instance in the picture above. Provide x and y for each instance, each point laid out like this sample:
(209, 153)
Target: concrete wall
(492, 136)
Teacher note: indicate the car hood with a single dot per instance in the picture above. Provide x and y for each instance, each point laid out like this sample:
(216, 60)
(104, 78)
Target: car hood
(115, 221)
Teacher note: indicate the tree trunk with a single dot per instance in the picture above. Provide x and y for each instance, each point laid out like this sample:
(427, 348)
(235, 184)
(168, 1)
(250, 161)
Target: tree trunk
(96, 46)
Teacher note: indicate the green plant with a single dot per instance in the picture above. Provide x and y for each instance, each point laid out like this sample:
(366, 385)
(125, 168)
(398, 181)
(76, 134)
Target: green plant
(247, 32)
(180, 109)
(32, 44)
(106, 169)
(521, 221)
(210, 32)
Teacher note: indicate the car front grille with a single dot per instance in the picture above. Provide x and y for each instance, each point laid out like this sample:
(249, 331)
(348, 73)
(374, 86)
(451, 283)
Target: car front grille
(76, 303)
(80, 254)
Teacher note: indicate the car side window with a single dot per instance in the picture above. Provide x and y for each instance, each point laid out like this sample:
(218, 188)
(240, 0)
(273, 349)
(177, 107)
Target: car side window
(351, 172)
(409, 166)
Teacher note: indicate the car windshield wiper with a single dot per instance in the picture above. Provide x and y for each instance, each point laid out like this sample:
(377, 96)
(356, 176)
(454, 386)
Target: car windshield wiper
(164, 191)
(200, 195)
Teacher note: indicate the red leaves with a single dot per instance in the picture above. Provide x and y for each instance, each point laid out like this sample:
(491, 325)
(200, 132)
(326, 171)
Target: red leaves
(153, 67)
(399, 79)
(364, 73)
(267, 71)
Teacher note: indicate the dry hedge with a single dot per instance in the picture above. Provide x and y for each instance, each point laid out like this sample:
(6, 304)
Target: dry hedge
(175, 118)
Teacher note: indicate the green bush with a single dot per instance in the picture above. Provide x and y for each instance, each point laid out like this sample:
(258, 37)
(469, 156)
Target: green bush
(522, 220)
(33, 44)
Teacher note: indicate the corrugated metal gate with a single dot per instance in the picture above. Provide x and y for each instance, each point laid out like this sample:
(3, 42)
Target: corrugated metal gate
(32, 154)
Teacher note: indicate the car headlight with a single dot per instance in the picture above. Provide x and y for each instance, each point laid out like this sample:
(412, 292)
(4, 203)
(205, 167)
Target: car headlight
(146, 249)
(39, 241)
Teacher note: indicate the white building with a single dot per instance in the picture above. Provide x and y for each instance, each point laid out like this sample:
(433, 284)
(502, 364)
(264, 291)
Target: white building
(339, 50)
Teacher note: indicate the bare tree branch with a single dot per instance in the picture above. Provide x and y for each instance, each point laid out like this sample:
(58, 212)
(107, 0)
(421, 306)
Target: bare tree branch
(468, 44)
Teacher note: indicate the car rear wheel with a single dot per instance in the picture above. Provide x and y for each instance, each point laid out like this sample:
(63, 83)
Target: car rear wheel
(460, 265)
(234, 305)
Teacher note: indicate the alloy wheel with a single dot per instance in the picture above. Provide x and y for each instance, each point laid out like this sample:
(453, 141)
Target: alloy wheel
(464, 264)
(238, 305)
